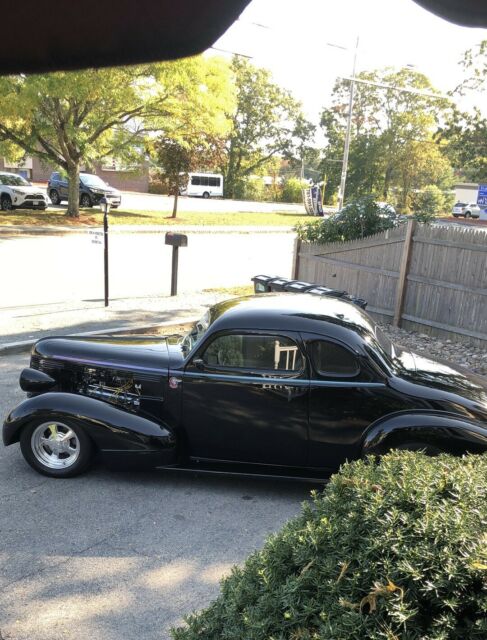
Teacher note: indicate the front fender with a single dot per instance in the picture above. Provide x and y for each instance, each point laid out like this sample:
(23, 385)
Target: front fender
(110, 428)
(445, 431)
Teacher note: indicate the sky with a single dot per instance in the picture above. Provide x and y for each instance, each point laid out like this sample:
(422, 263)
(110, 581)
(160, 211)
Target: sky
(293, 42)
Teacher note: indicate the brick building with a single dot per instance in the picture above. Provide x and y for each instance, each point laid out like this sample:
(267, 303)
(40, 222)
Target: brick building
(125, 180)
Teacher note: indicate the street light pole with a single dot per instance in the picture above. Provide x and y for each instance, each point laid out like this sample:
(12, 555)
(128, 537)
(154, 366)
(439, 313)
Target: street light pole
(343, 180)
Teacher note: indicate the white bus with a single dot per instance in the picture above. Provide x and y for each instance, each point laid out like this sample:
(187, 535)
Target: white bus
(205, 185)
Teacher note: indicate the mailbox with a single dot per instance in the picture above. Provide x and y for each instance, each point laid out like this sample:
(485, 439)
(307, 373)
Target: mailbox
(176, 239)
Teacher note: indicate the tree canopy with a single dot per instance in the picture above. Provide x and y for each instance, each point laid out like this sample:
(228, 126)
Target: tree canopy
(267, 122)
(391, 129)
(77, 118)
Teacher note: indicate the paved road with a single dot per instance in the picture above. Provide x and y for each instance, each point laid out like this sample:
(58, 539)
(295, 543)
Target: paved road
(151, 202)
(49, 269)
(120, 555)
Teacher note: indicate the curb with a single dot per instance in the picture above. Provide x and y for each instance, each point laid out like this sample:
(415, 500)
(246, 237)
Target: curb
(23, 231)
(21, 346)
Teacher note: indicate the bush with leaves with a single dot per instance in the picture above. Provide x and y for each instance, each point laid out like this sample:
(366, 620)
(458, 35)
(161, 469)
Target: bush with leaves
(292, 190)
(358, 219)
(428, 203)
(389, 551)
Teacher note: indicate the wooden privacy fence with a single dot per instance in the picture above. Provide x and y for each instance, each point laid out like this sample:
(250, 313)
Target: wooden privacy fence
(427, 278)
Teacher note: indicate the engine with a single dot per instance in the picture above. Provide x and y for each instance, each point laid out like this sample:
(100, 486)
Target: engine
(110, 386)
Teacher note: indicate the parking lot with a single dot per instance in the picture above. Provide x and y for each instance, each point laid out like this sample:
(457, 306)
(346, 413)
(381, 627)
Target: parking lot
(120, 555)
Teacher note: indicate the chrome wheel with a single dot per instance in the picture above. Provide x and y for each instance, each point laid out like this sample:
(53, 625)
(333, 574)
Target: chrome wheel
(85, 200)
(55, 445)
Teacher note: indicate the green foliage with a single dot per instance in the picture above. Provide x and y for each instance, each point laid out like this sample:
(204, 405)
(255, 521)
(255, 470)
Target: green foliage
(389, 551)
(266, 123)
(76, 118)
(292, 190)
(363, 217)
(391, 131)
(428, 203)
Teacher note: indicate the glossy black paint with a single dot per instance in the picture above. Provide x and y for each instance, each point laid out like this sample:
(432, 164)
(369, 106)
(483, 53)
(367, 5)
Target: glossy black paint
(149, 397)
(33, 381)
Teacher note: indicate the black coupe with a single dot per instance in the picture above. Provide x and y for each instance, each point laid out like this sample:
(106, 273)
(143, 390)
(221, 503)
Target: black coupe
(276, 384)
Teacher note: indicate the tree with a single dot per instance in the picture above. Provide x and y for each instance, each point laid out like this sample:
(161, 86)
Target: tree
(386, 123)
(465, 134)
(177, 158)
(266, 123)
(76, 118)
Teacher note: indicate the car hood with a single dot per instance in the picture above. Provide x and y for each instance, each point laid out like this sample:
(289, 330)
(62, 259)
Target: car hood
(144, 354)
(109, 191)
(28, 189)
(441, 375)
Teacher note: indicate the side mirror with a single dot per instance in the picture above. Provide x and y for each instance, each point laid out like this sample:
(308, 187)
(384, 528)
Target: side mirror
(199, 363)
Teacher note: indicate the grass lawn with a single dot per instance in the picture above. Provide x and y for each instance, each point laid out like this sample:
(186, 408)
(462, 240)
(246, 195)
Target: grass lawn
(88, 217)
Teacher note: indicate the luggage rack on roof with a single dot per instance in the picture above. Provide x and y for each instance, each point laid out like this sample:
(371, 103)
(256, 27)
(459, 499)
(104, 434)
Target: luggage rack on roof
(267, 284)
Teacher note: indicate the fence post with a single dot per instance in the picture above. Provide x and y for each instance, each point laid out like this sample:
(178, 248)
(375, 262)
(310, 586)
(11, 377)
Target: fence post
(403, 273)
(297, 249)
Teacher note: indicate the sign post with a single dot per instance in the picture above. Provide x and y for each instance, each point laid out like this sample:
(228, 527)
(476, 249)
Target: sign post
(105, 208)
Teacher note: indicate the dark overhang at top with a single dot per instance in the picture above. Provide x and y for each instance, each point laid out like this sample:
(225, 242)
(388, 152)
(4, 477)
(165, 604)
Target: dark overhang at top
(47, 35)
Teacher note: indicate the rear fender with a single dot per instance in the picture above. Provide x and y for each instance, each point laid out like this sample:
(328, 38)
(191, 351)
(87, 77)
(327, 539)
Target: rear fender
(444, 431)
(110, 428)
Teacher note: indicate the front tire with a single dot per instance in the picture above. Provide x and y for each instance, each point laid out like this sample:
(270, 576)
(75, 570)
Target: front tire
(58, 448)
(6, 203)
(85, 201)
(55, 197)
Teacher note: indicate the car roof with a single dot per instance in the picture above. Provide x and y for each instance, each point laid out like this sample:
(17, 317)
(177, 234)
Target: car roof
(9, 173)
(303, 312)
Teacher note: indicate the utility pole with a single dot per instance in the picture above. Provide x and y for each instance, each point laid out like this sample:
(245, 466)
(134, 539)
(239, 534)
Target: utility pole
(343, 180)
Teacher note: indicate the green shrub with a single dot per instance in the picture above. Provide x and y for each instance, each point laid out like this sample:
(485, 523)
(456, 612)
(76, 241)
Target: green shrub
(428, 203)
(389, 551)
(292, 190)
(360, 218)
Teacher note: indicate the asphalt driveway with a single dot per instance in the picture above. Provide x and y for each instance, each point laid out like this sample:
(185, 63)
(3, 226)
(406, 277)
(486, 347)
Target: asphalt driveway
(120, 556)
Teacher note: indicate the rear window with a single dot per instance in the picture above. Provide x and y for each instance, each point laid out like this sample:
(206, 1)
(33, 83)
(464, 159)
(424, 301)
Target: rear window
(332, 360)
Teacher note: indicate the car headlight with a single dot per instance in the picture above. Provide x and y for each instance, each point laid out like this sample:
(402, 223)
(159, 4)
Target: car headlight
(18, 192)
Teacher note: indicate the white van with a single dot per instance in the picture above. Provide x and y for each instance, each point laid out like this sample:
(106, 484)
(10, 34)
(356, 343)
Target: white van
(204, 185)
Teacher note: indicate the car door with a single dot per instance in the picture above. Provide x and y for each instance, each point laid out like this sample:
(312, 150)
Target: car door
(244, 399)
(346, 396)
(63, 186)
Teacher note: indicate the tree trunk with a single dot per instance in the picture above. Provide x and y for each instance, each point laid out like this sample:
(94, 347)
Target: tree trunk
(73, 191)
(175, 205)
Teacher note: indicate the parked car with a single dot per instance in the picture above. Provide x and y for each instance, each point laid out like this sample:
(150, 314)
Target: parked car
(466, 210)
(18, 193)
(91, 190)
(279, 384)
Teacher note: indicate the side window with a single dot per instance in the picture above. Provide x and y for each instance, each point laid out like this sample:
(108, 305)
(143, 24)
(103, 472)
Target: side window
(256, 352)
(204, 181)
(332, 360)
(195, 180)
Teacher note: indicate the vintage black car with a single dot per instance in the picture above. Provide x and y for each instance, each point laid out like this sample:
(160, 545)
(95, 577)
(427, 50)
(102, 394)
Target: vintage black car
(276, 384)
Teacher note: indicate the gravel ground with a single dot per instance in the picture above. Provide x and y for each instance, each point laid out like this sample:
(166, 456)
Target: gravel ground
(461, 353)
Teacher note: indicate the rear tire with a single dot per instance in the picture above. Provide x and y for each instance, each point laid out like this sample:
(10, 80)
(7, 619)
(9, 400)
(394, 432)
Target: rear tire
(56, 447)
(428, 449)
(206, 195)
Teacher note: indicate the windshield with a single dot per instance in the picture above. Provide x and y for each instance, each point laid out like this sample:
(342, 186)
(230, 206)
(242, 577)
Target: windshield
(196, 333)
(92, 181)
(14, 181)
